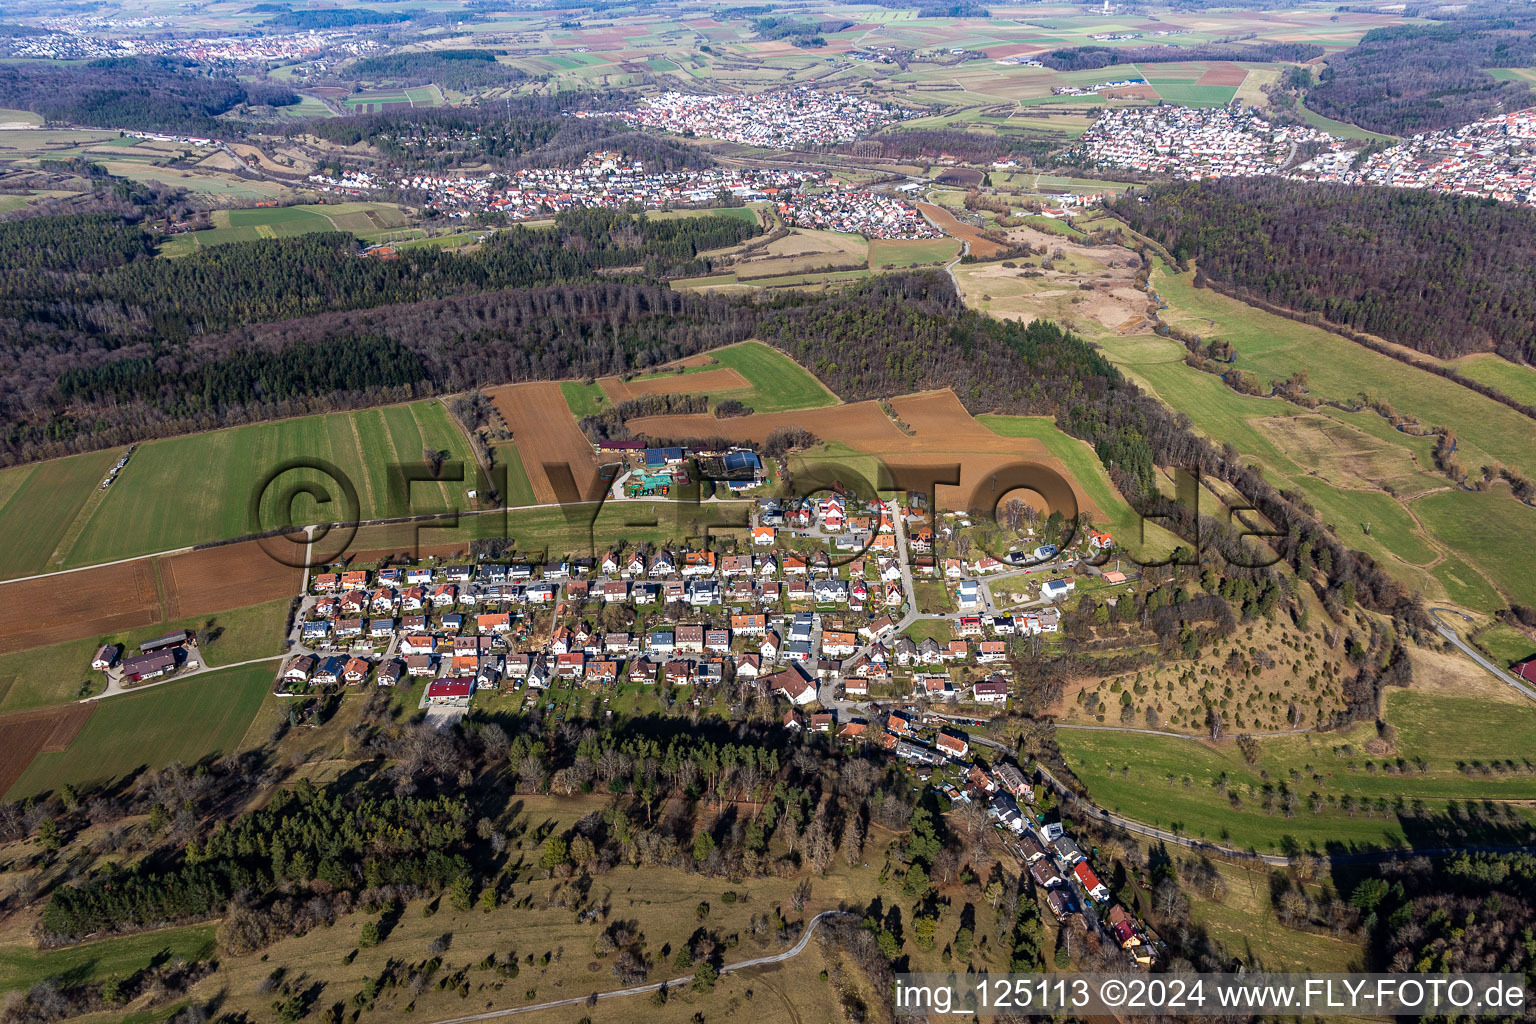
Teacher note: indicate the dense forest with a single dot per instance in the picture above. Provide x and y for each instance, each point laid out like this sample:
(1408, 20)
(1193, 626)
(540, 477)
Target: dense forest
(528, 132)
(1405, 79)
(1469, 912)
(145, 94)
(1446, 275)
(336, 17)
(460, 70)
(1086, 58)
(132, 340)
(302, 837)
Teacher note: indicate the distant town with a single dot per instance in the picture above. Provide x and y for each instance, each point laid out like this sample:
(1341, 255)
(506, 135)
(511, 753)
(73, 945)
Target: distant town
(607, 180)
(1492, 158)
(799, 118)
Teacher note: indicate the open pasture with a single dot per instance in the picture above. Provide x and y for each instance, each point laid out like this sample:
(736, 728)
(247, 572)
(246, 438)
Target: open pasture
(1208, 790)
(203, 716)
(199, 487)
(26, 734)
(358, 218)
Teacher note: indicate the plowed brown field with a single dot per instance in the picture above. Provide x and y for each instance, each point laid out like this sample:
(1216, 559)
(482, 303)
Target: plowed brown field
(723, 379)
(981, 248)
(556, 455)
(26, 734)
(1223, 74)
(78, 604)
(944, 434)
(230, 576)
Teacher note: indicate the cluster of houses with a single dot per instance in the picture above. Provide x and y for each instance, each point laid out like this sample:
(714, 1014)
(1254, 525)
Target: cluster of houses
(796, 118)
(1059, 867)
(871, 214)
(163, 656)
(603, 179)
(1193, 142)
(1494, 158)
(84, 39)
(1491, 158)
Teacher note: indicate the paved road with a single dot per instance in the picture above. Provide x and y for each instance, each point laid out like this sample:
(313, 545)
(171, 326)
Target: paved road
(1476, 655)
(777, 958)
(116, 688)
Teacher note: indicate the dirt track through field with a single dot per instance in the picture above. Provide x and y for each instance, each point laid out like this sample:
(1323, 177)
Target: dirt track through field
(981, 248)
(944, 434)
(723, 379)
(26, 734)
(556, 455)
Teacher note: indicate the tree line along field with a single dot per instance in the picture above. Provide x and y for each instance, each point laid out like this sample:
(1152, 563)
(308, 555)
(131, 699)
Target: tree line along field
(198, 487)
(204, 716)
(1210, 791)
(1376, 485)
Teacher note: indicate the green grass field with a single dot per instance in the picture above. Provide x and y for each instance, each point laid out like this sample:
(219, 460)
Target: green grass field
(903, 253)
(186, 721)
(196, 488)
(61, 673)
(248, 225)
(1086, 469)
(779, 384)
(1506, 645)
(1518, 382)
(39, 503)
(519, 489)
(21, 967)
(584, 399)
(1435, 552)
(1442, 729)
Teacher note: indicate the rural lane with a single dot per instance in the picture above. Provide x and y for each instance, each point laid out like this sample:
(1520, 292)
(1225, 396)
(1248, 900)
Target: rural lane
(777, 958)
(1476, 655)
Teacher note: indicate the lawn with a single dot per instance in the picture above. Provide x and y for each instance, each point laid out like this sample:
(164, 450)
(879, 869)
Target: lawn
(196, 488)
(203, 716)
(911, 253)
(21, 967)
(584, 399)
(1169, 782)
(1506, 645)
(60, 673)
(779, 384)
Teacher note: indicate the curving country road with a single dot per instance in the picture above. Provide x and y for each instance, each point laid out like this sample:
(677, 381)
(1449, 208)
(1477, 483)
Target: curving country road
(777, 958)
